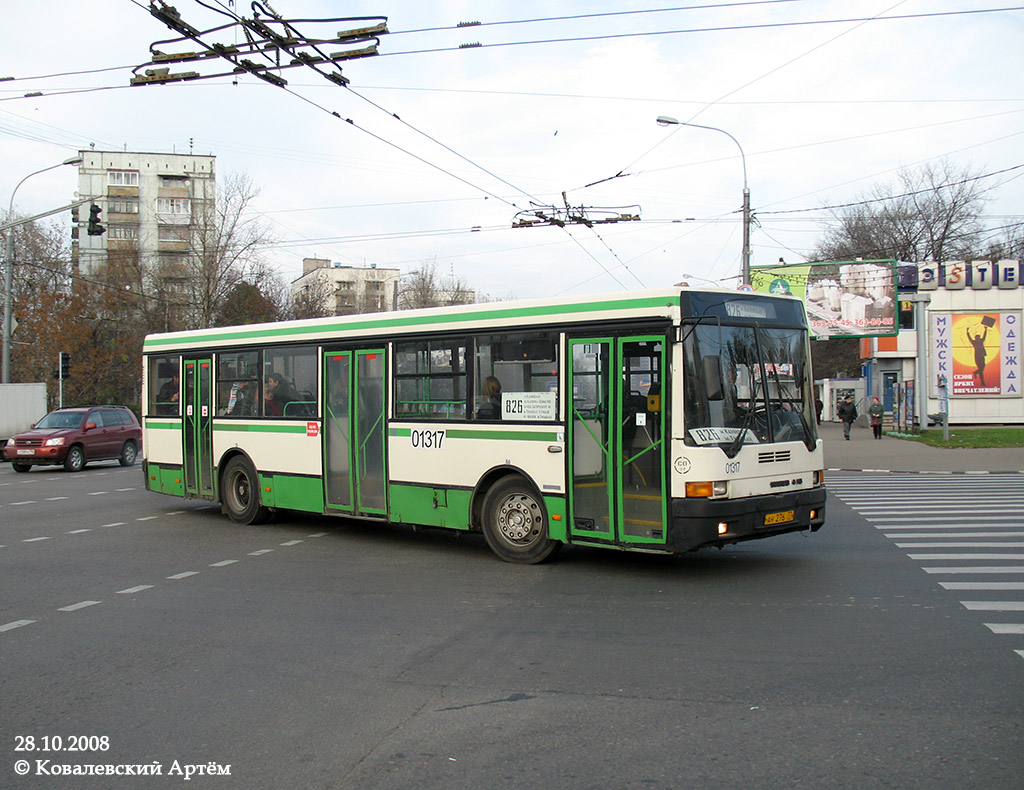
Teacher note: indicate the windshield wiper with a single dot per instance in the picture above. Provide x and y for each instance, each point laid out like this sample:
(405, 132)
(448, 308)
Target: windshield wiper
(734, 446)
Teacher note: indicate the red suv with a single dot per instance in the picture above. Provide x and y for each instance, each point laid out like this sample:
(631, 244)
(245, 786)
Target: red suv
(74, 437)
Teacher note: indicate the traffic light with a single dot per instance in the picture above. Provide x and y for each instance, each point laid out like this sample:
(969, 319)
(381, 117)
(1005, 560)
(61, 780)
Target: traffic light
(65, 365)
(95, 229)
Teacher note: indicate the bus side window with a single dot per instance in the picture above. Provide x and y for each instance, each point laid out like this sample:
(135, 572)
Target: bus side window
(522, 363)
(430, 379)
(163, 385)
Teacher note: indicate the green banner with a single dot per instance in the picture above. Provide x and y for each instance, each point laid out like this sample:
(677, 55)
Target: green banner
(842, 299)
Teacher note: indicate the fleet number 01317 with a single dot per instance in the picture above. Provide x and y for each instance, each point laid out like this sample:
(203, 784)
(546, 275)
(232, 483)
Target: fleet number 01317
(427, 439)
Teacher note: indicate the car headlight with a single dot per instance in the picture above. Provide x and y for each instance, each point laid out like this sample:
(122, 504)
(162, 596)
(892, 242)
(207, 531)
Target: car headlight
(10, 443)
(56, 441)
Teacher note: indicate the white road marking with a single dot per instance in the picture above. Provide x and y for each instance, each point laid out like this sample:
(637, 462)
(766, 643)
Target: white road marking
(33, 540)
(1006, 628)
(76, 606)
(918, 535)
(966, 556)
(131, 590)
(184, 575)
(291, 542)
(147, 518)
(222, 563)
(258, 553)
(962, 545)
(994, 606)
(982, 585)
(77, 531)
(15, 624)
(115, 524)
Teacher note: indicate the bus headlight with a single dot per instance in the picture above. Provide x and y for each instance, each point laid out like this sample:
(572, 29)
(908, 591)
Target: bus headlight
(819, 477)
(707, 489)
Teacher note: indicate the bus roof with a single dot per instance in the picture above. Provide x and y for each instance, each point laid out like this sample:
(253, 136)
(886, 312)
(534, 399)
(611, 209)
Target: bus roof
(663, 303)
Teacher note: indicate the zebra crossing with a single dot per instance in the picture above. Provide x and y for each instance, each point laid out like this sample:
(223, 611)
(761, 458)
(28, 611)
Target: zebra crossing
(966, 530)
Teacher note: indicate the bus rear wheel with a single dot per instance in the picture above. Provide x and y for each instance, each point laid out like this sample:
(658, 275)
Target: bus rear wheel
(515, 523)
(240, 493)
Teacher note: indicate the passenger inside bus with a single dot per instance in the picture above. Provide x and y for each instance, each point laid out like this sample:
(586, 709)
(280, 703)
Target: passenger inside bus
(490, 404)
(279, 394)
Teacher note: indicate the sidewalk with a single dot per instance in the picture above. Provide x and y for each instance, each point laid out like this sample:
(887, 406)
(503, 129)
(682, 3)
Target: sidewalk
(865, 453)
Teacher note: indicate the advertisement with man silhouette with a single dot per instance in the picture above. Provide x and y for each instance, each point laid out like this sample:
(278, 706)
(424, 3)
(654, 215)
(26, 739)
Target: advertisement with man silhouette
(978, 353)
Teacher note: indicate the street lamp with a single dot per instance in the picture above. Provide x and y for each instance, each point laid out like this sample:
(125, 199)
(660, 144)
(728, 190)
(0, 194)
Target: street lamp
(9, 269)
(664, 120)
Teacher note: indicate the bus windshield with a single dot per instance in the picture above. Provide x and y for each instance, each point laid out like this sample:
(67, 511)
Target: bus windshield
(746, 384)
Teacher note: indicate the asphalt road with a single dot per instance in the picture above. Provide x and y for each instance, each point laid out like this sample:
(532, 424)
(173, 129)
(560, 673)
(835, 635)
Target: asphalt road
(317, 653)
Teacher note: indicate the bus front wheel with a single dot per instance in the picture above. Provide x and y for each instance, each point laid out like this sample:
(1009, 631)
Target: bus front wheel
(240, 493)
(515, 523)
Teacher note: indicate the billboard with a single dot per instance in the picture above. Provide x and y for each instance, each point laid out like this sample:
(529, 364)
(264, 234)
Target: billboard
(842, 299)
(978, 353)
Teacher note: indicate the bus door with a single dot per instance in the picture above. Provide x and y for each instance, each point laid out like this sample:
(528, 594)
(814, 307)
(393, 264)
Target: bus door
(197, 422)
(354, 468)
(617, 440)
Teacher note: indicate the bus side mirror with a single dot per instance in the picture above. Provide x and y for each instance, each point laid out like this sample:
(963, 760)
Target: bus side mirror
(712, 379)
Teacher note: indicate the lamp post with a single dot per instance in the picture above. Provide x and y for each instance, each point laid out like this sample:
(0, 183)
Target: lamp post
(664, 120)
(9, 268)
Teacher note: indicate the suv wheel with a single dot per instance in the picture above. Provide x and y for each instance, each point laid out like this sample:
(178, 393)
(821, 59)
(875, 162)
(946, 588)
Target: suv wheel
(20, 466)
(128, 454)
(75, 460)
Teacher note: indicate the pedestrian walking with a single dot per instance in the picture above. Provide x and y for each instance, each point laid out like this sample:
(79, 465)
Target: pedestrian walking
(847, 413)
(875, 412)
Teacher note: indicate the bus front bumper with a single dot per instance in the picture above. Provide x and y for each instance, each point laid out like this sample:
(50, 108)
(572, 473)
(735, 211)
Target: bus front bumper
(698, 523)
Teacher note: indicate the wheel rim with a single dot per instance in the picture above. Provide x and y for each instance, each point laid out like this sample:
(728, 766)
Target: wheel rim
(241, 490)
(518, 519)
(129, 453)
(76, 458)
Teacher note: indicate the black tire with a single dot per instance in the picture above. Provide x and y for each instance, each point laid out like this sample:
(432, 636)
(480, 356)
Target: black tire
(240, 493)
(515, 523)
(21, 466)
(128, 454)
(74, 461)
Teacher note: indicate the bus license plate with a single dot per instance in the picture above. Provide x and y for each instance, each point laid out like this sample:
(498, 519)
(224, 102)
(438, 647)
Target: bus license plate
(781, 517)
(26, 451)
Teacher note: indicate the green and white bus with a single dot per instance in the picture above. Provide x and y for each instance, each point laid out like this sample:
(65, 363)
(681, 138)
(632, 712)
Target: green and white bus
(662, 421)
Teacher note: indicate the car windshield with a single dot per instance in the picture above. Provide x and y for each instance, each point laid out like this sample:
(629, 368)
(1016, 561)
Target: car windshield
(747, 385)
(61, 419)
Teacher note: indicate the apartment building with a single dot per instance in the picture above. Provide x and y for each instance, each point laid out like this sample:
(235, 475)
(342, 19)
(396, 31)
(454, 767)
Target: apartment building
(348, 289)
(152, 205)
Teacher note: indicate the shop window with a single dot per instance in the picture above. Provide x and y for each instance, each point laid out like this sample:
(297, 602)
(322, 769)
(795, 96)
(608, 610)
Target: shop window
(906, 315)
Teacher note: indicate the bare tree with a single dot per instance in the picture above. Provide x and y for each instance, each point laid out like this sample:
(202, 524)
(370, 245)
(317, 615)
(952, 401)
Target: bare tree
(225, 250)
(315, 299)
(424, 288)
(1008, 246)
(930, 214)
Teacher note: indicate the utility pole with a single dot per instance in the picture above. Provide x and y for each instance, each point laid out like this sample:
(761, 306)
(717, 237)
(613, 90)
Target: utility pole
(664, 120)
(9, 268)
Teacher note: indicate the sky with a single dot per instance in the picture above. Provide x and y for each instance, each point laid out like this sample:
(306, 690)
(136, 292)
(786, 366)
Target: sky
(435, 149)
